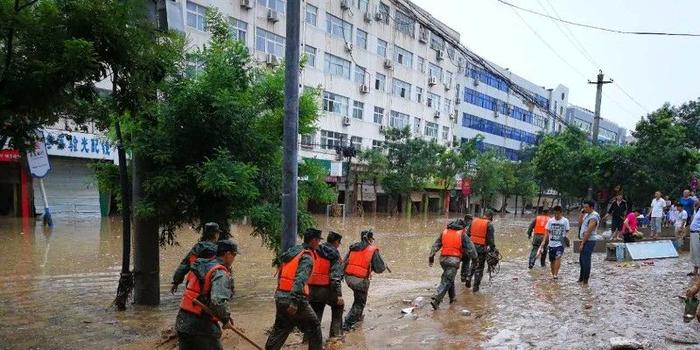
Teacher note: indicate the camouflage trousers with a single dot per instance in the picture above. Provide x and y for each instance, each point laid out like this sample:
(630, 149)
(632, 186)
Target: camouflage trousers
(198, 342)
(447, 281)
(476, 268)
(359, 287)
(304, 319)
(319, 298)
(536, 241)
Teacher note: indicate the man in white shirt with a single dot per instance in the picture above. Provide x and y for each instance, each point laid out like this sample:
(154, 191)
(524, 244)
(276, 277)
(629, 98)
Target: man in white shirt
(556, 233)
(680, 218)
(695, 242)
(657, 214)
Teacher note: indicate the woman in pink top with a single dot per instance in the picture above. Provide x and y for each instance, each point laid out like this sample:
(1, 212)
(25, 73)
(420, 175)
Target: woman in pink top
(629, 227)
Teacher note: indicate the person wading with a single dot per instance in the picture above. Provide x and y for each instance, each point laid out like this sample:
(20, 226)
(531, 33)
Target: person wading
(210, 282)
(207, 241)
(291, 297)
(324, 283)
(466, 259)
(453, 244)
(555, 237)
(482, 235)
(589, 220)
(362, 259)
(538, 226)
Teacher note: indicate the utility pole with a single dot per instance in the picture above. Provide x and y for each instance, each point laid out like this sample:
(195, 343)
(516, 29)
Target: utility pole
(290, 135)
(598, 98)
(596, 118)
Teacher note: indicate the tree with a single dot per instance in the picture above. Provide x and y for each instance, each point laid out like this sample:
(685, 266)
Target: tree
(451, 163)
(559, 163)
(487, 179)
(376, 167)
(526, 185)
(216, 143)
(688, 115)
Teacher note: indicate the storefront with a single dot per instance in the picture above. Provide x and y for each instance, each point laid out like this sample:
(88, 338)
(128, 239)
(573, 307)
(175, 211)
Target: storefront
(15, 185)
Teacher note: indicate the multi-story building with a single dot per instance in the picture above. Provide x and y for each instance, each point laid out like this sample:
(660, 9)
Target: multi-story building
(608, 131)
(376, 65)
(505, 121)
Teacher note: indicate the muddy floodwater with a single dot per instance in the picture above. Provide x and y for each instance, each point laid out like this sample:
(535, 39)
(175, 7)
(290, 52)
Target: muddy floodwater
(56, 287)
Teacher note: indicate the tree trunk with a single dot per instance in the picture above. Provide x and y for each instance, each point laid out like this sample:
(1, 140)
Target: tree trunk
(515, 212)
(539, 198)
(408, 203)
(374, 204)
(146, 243)
(447, 203)
(426, 201)
(126, 279)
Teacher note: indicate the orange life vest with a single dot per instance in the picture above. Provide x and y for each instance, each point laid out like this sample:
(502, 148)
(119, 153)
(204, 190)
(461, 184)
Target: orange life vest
(478, 230)
(193, 289)
(451, 242)
(288, 272)
(321, 273)
(360, 262)
(541, 224)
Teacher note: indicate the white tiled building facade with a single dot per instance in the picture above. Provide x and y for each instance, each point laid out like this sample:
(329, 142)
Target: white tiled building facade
(381, 65)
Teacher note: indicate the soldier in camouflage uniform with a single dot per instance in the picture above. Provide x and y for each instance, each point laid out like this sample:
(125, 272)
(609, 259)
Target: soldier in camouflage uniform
(357, 274)
(482, 234)
(325, 287)
(291, 297)
(196, 329)
(207, 241)
(466, 259)
(453, 244)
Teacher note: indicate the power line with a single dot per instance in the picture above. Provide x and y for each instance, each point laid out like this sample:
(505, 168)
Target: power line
(589, 26)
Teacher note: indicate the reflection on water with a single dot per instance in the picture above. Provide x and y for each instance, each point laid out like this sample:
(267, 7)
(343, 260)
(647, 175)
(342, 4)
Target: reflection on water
(56, 286)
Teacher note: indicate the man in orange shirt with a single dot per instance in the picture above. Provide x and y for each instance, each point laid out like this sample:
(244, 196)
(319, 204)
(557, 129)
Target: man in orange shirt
(538, 226)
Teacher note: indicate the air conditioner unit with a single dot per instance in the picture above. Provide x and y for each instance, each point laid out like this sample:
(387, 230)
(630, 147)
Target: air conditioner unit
(379, 16)
(364, 89)
(429, 103)
(348, 46)
(346, 121)
(247, 4)
(345, 4)
(452, 115)
(447, 87)
(440, 55)
(475, 82)
(432, 81)
(382, 128)
(368, 17)
(457, 86)
(273, 16)
(495, 113)
(437, 114)
(271, 59)
(388, 64)
(423, 36)
(458, 100)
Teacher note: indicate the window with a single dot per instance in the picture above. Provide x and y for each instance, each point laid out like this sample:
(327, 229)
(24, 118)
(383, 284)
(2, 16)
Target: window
(493, 128)
(358, 109)
(448, 105)
(435, 71)
(398, 120)
(269, 42)
(383, 9)
(401, 88)
(276, 5)
(193, 66)
(491, 80)
(421, 64)
(403, 57)
(356, 142)
(445, 133)
(381, 47)
(436, 42)
(583, 125)
(311, 14)
(448, 78)
(419, 95)
(416, 125)
(380, 82)
(337, 66)
(196, 16)
(376, 144)
(308, 140)
(561, 110)
(335, 103)
(431, 129)
(238, 29)
(485, 101)
(360, 74)
(361, 39)
(378, 115)
(332, 139)
(433, 101)
(310, 53)
(607, 135)
(404, 24)
(562, 96)
(538, 120)
(338, 28)
(362, 5)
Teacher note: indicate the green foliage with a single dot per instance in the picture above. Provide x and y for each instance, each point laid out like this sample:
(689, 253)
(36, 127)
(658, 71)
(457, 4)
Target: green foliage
(560, 163)
(487, 180)
(411, 162)
(376, 166)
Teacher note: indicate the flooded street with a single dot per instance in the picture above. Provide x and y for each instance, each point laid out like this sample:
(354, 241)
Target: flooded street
(56, 287)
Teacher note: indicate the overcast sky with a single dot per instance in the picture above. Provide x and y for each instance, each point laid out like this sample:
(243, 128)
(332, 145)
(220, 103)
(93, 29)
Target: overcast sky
(653, 70)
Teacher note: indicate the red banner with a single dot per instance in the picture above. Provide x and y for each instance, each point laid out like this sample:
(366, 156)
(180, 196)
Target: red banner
(9, 155)
(467, 186)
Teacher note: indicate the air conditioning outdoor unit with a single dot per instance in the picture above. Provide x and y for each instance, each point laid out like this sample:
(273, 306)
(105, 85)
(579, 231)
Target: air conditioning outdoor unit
(432, 81)
(247, 4)
(348, 46)
(346, 121)
(440, 55)
(273, 16)
(429, 103)
(452, 115)
(458, 100)
(437, 114)
(447, 87)
(423, 36)
(271, 59)
(364, 89)
(475, 82)
(379, 16)
(368, 17)
(388, 64)
(382, 128)
(345, 4)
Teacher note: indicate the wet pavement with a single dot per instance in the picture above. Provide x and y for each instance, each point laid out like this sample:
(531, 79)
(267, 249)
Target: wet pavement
(56, 287)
